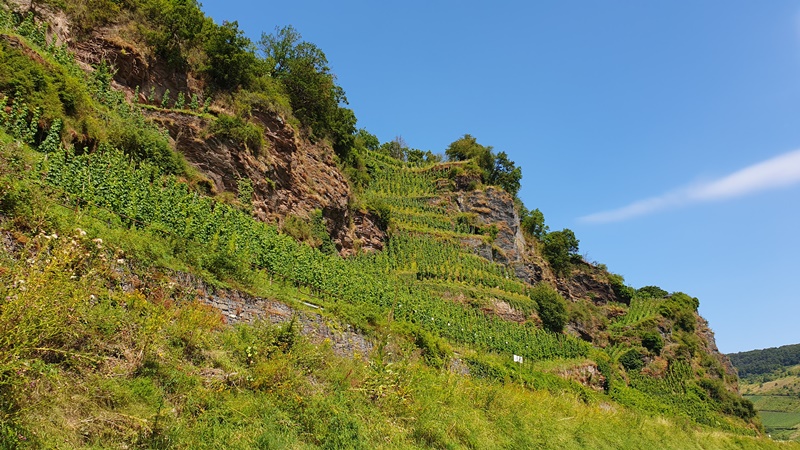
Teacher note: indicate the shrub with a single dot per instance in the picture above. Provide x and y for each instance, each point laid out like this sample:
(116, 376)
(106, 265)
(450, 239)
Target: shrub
(299, 229)
(652, 292)
(552, 307)
(632, 360)
(653, 341)
(496, 169)
(382, 212)
(623, 292)
(727, 402)
(245, 133)
(320, 232)
(685, 320)
(434, 350)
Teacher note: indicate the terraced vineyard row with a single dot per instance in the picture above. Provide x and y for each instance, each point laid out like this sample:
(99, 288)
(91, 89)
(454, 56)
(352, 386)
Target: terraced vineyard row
(147, 200)
(640, 310)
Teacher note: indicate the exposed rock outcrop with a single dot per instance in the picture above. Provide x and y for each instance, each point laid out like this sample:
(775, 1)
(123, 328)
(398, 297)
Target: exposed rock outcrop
(494, 206)
(290, 176)
(588, 286)
(710, 346)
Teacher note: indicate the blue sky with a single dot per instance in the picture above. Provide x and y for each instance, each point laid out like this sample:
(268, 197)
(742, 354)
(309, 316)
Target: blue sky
(662, 133)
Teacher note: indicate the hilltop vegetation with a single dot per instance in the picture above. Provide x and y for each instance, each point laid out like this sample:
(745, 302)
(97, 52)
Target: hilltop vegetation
(103, 221)
(762, 362)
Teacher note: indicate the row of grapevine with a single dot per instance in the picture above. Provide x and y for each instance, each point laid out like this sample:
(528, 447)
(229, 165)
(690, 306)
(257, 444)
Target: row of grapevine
(641, 309)
(146, 199)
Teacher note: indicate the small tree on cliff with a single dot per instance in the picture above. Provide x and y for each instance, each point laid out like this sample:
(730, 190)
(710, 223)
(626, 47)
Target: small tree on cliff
(560, 247)
(497, 169)
(552, 307)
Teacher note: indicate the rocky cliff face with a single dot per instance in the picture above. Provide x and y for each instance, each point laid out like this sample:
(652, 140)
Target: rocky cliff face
(493, 206)
(290, 176)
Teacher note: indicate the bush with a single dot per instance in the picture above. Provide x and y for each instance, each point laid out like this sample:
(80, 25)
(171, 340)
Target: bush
(651, 292)
(382, 212)
(623, 292)
(552, 307)
(653, 341)
(496, 168)
(245, 133)
(320, 232)
(434, 350)
(632, 360)
(727, 402)
(685, 321)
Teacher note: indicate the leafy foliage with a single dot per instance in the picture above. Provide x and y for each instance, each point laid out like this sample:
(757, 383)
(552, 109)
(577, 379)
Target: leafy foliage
(231, 59)
(757, 362)
(552, 307)
(560, 247)
(496, 169)
(245, 133)
(532, 222)
(653, 341)
(632, 360)
(315, 97)
(652, 292)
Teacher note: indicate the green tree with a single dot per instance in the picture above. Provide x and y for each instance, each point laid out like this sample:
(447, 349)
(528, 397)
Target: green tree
(505, 174)
(497, 169)
(560, 247)
(369, 140)
(396, 148)
(652, 292)
(533, 224)
(315, 97)
(653, 341)
(552, 307)
(174, 27)
(231, 56)
(467, 147)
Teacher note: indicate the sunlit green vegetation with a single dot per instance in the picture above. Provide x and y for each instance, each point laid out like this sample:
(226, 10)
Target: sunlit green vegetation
(102, 348)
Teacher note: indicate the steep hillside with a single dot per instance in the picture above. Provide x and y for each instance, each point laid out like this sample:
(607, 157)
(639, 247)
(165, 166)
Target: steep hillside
(236, 266)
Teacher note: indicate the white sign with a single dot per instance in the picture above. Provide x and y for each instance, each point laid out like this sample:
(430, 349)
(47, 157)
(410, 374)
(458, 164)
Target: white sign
(518, 359)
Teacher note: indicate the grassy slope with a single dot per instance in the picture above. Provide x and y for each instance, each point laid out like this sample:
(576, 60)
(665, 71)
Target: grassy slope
(166, 375)
(85, 363)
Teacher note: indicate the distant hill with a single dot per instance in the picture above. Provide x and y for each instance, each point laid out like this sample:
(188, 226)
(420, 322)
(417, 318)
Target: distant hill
(770, 378)
(760, 362)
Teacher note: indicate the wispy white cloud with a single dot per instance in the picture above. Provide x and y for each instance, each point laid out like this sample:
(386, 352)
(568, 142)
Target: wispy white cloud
(778, 172)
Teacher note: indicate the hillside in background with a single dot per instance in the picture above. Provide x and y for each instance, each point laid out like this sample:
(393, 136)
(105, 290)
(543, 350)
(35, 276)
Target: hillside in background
(770, 378)
(200, 249)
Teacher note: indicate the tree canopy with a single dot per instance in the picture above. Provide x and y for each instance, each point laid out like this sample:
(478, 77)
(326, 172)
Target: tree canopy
(559, 249)
(496, 168)
(313, 93)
